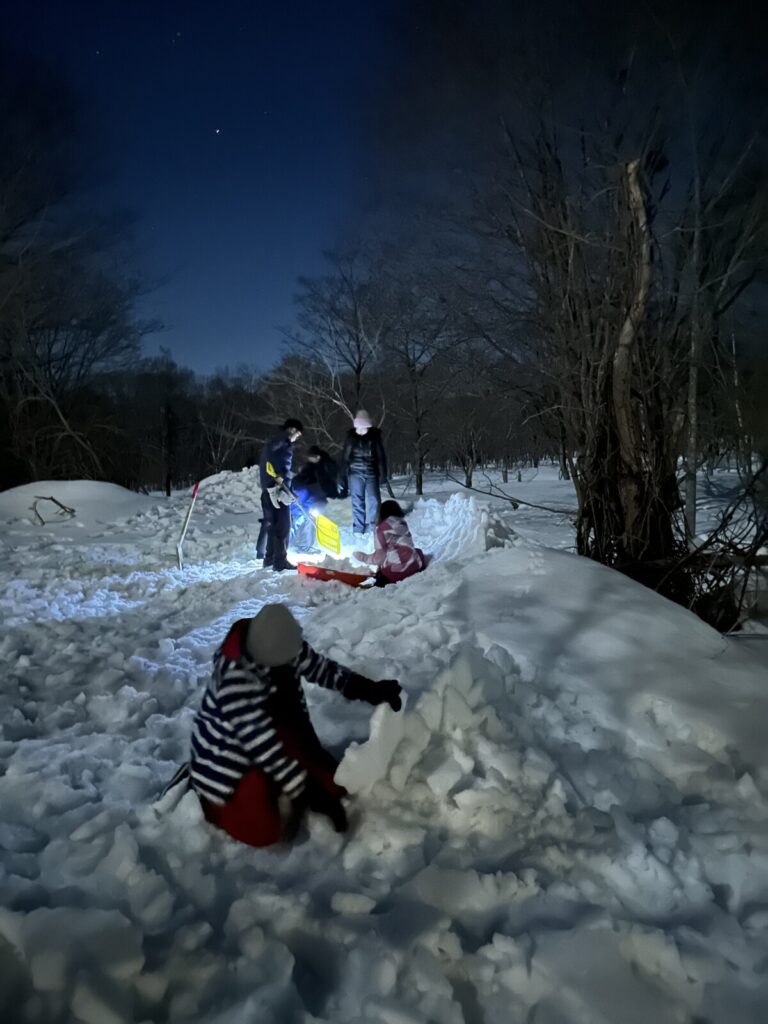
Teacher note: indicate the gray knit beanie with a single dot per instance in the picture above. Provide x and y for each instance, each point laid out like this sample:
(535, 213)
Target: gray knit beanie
(274, 636)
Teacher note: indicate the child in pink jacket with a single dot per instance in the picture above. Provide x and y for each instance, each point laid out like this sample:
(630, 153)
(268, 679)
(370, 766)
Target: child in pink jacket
(395, 554)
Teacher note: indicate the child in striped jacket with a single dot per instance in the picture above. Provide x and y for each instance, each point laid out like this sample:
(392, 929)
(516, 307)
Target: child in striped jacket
(253, 740)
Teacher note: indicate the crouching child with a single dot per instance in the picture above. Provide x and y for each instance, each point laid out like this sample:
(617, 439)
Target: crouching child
(395, 555)
(253, 743)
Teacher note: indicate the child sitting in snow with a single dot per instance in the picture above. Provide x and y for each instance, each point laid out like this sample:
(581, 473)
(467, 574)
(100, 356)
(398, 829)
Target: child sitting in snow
(253, 740)
(395, 554)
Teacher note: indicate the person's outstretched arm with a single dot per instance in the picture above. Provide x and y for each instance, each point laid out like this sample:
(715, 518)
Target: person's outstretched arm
(327, 673)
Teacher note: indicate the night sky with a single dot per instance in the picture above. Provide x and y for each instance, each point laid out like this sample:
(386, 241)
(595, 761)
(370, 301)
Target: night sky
(236, 134)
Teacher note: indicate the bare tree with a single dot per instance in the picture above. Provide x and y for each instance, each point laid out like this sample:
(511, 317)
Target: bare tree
(226, 410)
(600, 227)
(65, 318)
(66, 326)
(300, 386)
(344, 317)
(423, 362)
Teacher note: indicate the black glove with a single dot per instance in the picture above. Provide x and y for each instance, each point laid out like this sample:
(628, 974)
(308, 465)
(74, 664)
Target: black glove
(343, 492)
(387, 691)
(320, 800)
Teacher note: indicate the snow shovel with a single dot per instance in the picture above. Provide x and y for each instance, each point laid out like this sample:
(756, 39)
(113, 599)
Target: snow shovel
(327, 531)
(186, 524)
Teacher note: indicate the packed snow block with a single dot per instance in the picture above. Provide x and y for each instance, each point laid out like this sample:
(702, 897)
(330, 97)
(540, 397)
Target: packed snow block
(660, 959)
(352, 903)
(392, 1011)
(364, 764)
(122, 860)
(55, 942)
(423, 993)
(426, 974)
(241, 917)
(191, 937)
(430, 709)
(97, 1001)
(391, 849)
(445, 776)
(15, 981)
(95, 826)
(132, 782)
(416, 740)
(189, 821)
(18, 838)
(123, 873)
(458, 892)
(368, 969)
(11, 930)
(588, 977)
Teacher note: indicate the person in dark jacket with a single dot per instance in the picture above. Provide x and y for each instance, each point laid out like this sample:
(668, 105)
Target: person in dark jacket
(313, 485)
(318, 478)
(277, 516)
(253, 742)
(364, 472)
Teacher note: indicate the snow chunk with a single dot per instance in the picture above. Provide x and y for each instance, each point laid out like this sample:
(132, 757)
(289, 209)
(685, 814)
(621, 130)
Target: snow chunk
(93, 936)
(352, 903)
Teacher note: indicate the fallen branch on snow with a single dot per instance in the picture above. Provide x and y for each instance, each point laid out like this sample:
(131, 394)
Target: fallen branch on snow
(496, 492)
(63, 509)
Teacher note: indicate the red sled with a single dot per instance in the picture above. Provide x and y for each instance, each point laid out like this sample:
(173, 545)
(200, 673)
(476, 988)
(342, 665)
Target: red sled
(321, 572)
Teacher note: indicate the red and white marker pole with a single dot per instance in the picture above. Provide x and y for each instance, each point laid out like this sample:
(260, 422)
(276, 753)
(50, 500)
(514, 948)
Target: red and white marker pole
(188, 516)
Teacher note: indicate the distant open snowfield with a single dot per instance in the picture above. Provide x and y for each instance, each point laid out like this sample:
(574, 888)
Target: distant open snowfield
(567, 824)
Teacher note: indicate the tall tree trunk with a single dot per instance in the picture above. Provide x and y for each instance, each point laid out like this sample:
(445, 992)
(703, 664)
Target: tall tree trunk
(744, 443)
(565, 473)
(418, 430)
(631, 481)
(419, 474)
(169, 448)
(694, 362)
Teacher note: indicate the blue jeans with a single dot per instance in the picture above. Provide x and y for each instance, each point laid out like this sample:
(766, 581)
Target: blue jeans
(366, 498)
(302, 524)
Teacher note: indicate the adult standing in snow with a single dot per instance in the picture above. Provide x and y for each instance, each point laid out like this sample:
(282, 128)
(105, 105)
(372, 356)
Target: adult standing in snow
(363, 471)
(278, 451)
(314, 484)
(253, 740)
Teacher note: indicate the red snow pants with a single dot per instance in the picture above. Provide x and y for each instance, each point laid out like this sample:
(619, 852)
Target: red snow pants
(252, 813)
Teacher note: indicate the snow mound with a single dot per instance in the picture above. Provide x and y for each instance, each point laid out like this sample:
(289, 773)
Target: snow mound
(231, 491)
(458, 528)
(92, 501)
(521, 848)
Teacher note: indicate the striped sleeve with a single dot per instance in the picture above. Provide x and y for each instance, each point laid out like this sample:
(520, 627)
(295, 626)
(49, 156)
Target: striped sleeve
(319, 670)
(242, 698)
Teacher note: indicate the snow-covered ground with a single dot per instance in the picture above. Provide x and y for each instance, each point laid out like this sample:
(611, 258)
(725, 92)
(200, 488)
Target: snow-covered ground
(567, 824)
